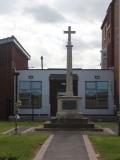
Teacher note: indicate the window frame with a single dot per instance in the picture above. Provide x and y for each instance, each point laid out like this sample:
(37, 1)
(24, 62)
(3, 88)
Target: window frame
(30, 98)
(97, 98)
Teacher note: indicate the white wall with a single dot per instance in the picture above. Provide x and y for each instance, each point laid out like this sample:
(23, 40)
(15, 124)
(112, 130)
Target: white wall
(83, 75)
(89, 75)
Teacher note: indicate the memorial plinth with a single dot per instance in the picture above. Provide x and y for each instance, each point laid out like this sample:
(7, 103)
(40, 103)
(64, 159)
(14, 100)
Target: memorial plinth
(69, 107)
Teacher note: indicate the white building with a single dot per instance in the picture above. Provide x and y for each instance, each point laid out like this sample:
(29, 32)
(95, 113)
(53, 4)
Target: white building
(38, 91)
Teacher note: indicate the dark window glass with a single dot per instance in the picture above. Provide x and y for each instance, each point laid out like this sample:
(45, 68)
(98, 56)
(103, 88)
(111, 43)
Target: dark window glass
(36, 98)
(25, 94)
(30, 94)
(96, 94)
(25, 103)
(90, 85)
(36, 85)
(25, 85)
(102, 85)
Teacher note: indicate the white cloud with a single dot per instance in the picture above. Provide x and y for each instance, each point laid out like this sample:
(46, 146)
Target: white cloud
(45, 14)
(85, 10)
(7, 6)
(47, 38)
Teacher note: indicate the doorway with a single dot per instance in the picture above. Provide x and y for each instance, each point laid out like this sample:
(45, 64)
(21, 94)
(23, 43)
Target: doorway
(58, 88)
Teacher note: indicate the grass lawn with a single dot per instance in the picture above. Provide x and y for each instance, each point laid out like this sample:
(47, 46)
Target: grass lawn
(107, 146)
(5, 125)
(106, 124)
(23, 147)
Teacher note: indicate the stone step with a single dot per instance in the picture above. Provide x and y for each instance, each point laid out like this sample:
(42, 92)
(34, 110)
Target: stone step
(69, 129)
(68, 125)
(71, 120)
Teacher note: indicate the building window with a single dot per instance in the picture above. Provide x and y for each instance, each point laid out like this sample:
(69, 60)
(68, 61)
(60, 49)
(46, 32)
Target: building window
(96, 94)
(30, 94)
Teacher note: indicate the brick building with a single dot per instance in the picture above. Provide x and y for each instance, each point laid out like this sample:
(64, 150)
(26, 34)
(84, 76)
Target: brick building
(110, 43)
(12, 57)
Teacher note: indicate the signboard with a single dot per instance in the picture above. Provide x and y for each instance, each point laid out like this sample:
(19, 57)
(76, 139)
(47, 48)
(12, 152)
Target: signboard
(30, 77)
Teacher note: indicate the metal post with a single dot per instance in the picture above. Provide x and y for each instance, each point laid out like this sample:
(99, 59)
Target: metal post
(32, 103)
(16, 127)
(118, 126)
(16, 100)
(32, 113)
(118, 115)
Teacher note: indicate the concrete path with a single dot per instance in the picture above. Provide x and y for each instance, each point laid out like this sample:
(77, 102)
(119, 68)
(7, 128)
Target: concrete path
(8, 131)
(111, 131)
(22, 129)
(66, 146)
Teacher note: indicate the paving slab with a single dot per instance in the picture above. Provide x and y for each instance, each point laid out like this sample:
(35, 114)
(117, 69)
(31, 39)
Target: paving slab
(66, 146)
(8, 131)
(115, 130)
(20, 129)
(110, 131)
(28, 130)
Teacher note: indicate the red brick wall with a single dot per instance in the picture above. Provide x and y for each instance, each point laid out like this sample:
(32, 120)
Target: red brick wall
(5, 80)
(116, 46)
(9, 55)
(20, 61)
(113, 44)
(107, 35)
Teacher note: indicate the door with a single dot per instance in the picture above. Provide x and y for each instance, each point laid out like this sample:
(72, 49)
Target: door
(58, 88)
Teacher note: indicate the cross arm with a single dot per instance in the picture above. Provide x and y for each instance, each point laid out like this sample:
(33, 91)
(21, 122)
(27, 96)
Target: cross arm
(72, 32)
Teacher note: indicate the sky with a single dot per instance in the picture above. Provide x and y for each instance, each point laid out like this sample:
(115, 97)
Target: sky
(39, 24)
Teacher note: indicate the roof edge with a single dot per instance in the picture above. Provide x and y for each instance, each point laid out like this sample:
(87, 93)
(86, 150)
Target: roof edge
(106, 14)
(16, 42)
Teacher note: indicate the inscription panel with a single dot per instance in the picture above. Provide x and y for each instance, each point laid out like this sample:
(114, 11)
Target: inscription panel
(69, 105)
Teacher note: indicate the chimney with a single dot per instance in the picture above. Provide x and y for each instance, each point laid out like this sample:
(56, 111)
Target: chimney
(41, 62)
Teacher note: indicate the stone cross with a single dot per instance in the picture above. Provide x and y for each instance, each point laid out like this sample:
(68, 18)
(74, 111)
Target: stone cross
(69, 80)
(69, 32)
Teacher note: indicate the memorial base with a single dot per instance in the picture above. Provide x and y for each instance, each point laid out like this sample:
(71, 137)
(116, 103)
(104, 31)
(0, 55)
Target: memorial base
(68, 107)
(69, 115)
